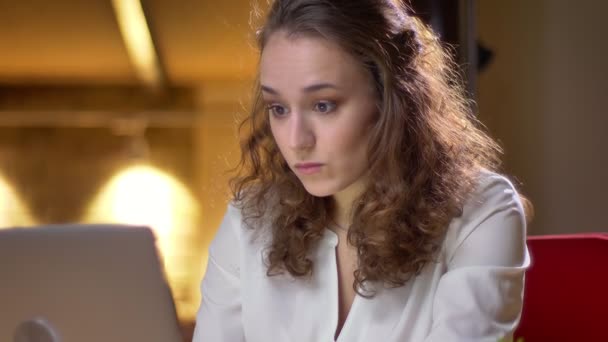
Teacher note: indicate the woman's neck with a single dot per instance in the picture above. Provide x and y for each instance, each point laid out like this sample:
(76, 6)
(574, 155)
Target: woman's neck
(343, 204)
(341, 217)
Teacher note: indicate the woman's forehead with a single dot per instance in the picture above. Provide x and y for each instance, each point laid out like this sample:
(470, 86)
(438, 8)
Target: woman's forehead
(305, 60)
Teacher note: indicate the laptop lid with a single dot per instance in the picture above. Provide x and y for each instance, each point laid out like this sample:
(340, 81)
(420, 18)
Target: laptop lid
(89, 283)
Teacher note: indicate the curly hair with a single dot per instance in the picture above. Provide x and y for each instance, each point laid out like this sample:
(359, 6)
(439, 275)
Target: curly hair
(425, 152)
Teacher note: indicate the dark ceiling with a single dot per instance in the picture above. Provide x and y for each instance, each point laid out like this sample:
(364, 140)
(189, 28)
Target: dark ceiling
(79, 42)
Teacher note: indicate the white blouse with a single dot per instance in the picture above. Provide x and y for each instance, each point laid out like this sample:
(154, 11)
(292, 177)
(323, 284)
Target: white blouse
(473, 293)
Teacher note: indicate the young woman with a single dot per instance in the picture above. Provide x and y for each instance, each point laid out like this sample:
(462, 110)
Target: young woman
(367, 207)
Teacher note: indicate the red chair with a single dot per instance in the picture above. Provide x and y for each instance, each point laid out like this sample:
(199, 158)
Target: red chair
(566, 291)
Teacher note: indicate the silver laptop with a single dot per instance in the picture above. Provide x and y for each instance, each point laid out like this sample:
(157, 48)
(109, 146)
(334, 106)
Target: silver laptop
(83, 283)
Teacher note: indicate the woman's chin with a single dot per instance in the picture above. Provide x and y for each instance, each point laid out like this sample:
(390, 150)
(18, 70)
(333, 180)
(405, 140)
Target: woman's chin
(318, 190)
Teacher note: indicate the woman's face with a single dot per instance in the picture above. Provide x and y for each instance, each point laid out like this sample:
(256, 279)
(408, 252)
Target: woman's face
(321, 104)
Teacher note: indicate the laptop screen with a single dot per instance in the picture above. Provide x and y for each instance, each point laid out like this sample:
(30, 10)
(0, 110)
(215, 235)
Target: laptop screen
(89, 283)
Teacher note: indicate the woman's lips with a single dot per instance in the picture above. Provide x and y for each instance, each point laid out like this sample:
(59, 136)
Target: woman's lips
(308, 168)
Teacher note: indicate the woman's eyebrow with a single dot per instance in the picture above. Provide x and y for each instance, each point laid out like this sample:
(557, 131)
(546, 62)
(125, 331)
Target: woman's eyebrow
(269, 90)
(308, 89)
(318, 86)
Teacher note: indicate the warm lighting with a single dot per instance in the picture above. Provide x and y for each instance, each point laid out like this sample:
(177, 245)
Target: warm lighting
(138, 40)
(143, 195)
(13, 212)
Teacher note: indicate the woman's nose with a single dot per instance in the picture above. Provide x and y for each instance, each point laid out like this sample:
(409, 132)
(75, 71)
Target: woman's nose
(301, 135)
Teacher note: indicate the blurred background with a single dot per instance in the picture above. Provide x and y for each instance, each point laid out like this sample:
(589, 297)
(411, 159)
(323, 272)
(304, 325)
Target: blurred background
(126, 111)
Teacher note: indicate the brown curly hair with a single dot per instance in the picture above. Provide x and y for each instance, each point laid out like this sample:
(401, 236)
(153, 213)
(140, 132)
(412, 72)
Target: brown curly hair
(425, 152)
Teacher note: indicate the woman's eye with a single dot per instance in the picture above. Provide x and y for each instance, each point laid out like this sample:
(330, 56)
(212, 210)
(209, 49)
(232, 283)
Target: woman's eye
(277, 110)
(325, 106)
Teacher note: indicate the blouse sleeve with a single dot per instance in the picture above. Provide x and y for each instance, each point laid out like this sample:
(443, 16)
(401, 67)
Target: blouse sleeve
(219, 316)
(479, 298)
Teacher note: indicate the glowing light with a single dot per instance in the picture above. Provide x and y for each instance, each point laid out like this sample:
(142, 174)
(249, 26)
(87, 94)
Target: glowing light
(13, 212)
(138, 40)
(142, 195)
